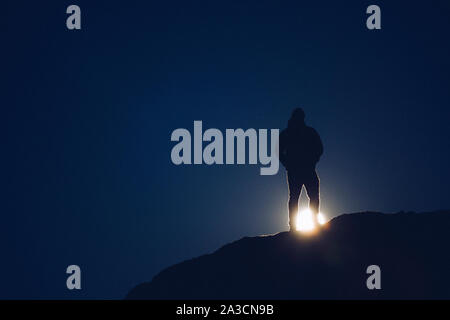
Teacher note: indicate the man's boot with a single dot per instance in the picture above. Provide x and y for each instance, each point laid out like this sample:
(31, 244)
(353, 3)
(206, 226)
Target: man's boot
(292, 226)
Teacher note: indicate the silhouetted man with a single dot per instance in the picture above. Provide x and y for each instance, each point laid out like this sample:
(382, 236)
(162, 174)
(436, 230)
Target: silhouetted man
(300, 150)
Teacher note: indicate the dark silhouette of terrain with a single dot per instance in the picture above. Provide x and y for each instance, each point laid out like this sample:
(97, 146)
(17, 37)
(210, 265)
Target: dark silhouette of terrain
(411, 249)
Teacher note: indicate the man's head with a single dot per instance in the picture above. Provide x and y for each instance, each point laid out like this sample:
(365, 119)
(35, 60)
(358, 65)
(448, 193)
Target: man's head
(297, 118)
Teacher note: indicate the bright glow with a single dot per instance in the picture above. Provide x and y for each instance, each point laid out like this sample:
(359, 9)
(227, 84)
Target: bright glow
(321, 218)
(307, 222)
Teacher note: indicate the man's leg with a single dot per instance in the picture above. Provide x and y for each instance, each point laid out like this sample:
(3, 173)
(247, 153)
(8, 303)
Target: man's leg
(312, 188)
(294, 194)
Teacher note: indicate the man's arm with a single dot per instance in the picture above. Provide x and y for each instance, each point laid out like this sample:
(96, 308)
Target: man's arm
(318, 145)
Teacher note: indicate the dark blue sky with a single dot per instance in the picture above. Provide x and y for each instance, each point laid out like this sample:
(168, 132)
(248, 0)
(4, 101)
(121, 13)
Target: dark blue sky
(87, 117)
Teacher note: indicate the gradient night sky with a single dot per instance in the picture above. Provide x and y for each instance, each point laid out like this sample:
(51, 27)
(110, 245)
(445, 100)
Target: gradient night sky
(87, 117)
